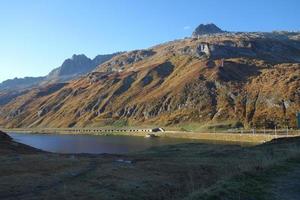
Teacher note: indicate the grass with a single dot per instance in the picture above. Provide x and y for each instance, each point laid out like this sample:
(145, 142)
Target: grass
(259, 177)
(120, 123)
(211, 127)
(183, 171)
(249, 185)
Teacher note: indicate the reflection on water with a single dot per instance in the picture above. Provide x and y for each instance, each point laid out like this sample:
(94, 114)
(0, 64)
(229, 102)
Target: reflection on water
(91, 143)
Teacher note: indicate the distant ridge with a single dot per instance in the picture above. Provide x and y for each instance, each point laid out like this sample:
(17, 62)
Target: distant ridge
(20, 83)
(70, 69)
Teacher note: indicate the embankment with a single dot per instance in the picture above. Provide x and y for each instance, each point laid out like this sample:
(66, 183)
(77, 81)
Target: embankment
(247, 137)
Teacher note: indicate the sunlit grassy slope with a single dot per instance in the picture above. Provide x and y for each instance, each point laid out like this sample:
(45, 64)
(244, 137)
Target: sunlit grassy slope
(246, 79)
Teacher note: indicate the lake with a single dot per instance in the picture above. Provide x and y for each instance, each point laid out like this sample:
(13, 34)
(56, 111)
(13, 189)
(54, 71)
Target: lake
(93, 144)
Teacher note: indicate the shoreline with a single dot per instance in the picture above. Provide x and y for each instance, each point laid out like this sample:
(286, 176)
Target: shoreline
(218, 136)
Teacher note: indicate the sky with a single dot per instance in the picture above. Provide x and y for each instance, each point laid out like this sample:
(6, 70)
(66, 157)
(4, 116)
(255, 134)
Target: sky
(36, 36)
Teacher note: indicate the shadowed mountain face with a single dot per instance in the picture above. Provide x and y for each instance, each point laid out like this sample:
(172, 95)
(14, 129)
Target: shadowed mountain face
(76, 66)
(204, 29)
(73, 67)
(70, 69)
(250, 78)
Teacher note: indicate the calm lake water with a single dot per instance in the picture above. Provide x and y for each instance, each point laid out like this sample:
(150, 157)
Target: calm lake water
(92, 143)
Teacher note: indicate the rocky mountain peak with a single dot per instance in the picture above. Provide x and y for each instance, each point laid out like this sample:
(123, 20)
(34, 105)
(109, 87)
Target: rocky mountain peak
(79, 56)
(71, 68)
(204, 29)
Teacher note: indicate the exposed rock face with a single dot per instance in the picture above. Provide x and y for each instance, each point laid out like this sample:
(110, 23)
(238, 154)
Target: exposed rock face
(118, 63)
(244, 78)
(204, 29)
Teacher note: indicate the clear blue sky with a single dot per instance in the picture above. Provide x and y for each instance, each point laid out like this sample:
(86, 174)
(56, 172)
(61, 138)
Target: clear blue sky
(37, 35)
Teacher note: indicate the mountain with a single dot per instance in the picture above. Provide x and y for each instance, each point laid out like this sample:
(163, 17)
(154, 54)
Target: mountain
(204, 29)
(70, 69)
(225, 79)
(76, 66)
(20, 83)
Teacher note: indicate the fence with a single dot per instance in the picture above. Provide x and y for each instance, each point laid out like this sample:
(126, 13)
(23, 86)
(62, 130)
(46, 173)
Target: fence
(261, 131)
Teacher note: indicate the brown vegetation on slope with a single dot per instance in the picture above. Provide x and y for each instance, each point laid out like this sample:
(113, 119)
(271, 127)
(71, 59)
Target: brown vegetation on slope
(244, 78)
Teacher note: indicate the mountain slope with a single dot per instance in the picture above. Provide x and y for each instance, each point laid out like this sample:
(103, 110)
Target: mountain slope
(237, 78)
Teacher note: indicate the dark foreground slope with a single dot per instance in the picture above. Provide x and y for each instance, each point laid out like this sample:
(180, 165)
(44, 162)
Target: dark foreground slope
(8, 146)
(185, 171)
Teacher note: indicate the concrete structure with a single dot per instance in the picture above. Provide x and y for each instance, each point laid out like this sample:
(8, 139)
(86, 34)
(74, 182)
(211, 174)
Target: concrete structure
(96, 130)
(91, 130)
